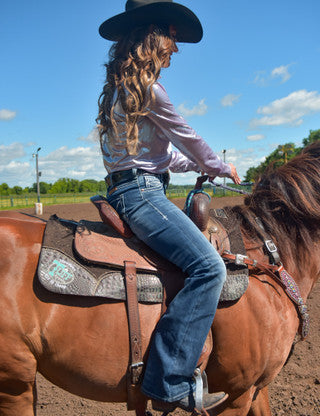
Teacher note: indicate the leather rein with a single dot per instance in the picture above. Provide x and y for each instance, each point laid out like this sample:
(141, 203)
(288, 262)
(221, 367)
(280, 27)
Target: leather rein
(278, 273)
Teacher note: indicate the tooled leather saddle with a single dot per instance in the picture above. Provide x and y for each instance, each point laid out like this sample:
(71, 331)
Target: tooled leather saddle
(105, 259)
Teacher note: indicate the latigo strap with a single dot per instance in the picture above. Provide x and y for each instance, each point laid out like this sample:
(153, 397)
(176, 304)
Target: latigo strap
(134, 322)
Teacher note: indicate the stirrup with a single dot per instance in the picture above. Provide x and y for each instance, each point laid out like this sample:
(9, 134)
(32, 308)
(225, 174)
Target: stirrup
(201, 381)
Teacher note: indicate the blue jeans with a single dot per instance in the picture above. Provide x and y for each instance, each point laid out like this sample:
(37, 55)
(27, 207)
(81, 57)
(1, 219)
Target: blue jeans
(182, 331)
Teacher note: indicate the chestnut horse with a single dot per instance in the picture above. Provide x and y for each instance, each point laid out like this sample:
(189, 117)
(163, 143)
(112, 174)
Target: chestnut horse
(81, 344)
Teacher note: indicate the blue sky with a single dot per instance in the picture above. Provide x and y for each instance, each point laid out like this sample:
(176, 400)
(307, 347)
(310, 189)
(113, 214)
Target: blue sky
(250, 85)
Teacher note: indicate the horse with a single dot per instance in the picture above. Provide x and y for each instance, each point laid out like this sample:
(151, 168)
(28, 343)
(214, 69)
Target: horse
(81, 344)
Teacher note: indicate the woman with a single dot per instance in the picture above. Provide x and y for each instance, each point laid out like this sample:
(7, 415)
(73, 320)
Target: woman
(137, 125)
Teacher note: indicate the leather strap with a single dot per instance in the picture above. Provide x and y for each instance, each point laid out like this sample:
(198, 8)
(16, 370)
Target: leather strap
(136, 365)
(269, 244)
(244, 260)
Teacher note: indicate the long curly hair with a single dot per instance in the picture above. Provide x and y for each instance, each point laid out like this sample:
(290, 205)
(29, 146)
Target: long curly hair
(134, 66)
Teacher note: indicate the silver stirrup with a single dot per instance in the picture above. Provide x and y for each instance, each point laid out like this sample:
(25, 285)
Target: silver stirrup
(201, 381)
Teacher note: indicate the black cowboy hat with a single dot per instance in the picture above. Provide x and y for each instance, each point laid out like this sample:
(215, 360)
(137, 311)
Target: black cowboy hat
(142, 12)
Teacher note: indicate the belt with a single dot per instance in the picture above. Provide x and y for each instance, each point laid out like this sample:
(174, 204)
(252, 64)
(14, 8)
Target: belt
(127, 175)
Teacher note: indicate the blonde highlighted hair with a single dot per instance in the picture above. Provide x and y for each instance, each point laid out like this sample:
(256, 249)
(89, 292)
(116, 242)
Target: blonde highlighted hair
(134, 66)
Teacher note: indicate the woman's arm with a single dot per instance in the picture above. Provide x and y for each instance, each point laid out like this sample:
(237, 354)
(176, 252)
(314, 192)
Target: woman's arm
(182, 136)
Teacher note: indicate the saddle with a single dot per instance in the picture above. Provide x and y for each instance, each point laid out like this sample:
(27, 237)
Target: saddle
(106, 259)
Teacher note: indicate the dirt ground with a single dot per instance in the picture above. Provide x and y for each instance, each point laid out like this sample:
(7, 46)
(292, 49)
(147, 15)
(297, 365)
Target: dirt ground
(295, 392)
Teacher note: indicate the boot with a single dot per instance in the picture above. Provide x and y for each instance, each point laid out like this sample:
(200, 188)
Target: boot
(209, 401)
(199, 400)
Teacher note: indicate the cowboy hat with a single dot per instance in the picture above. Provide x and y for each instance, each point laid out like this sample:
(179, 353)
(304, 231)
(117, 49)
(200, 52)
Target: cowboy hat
(143, 12)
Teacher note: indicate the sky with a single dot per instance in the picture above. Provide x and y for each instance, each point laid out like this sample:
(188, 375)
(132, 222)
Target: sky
(250, 85)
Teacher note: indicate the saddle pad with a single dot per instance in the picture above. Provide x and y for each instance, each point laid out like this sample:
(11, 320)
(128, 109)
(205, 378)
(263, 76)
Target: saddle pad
(62, 274)
(62, 270)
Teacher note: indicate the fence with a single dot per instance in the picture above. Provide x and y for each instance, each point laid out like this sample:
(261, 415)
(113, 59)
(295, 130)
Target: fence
(23, 201)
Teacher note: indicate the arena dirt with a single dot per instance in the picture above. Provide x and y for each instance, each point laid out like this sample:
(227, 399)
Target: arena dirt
(295, 392)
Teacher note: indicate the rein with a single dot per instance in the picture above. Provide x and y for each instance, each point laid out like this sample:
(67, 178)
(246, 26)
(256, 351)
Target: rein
(229, 188)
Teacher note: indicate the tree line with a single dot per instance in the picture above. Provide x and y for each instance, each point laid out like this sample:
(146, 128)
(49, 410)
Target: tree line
(61, 186)
(281, 155)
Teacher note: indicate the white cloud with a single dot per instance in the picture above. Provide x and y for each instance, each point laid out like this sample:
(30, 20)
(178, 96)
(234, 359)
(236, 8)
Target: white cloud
(288, 110)
(78, 163)
(229, 100)
(198, 110)
(243, 159)
(260, 78)
(7, 115)
(17, 173)
(186, 178)
(11, 152)
(263, 78)
(282, 72)
(255, 137)
(93, 136)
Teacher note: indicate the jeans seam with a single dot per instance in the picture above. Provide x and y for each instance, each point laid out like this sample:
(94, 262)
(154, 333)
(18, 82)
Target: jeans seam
(156, 209)
(143, 196)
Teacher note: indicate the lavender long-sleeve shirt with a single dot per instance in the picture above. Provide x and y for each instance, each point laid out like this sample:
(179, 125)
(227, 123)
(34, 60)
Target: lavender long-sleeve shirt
(158, 130)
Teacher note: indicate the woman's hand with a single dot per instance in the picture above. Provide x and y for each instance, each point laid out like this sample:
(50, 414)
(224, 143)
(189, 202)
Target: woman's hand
(234, 174)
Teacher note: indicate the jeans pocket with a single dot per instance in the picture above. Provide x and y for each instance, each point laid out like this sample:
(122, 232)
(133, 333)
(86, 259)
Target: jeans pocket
(151, 183)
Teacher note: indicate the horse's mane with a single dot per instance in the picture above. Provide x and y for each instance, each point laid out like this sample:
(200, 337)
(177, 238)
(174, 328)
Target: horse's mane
(288, 202)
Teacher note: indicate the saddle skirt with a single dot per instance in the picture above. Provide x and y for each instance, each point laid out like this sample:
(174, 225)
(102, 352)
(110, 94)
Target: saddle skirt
(87, 259)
